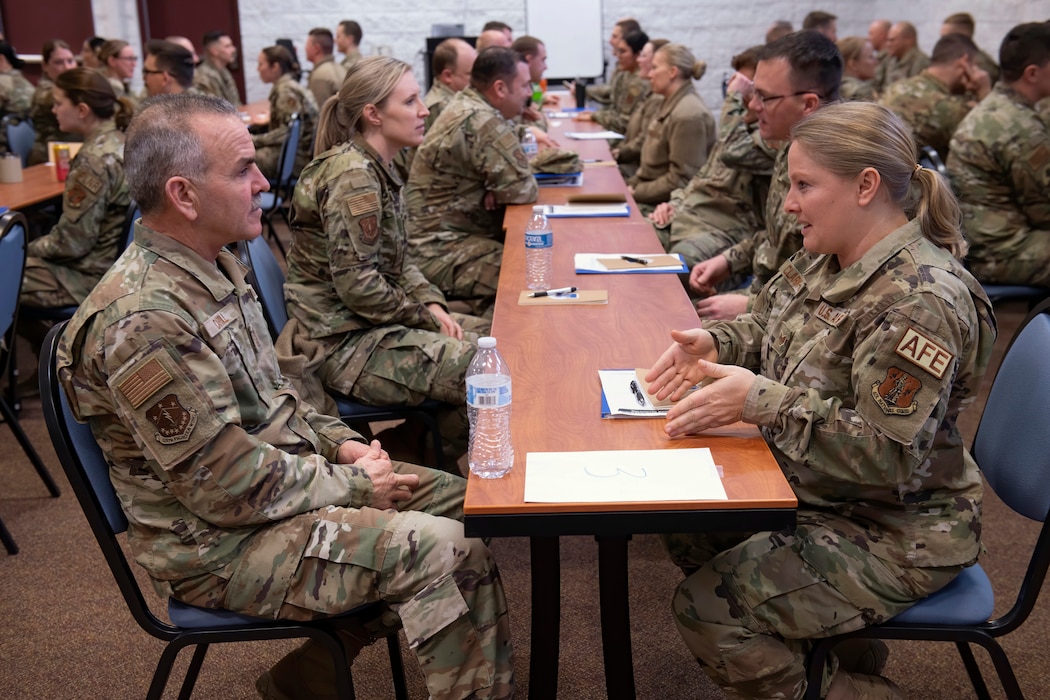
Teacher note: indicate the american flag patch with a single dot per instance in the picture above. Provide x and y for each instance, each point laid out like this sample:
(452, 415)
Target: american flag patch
(146, 381)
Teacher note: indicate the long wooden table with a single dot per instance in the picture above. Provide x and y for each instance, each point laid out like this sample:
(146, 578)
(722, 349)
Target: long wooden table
(554, 354)
(38, 184)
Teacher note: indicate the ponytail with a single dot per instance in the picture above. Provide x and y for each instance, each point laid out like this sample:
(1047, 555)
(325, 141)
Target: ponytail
(938, 212)
(330, 130)
(123, 112)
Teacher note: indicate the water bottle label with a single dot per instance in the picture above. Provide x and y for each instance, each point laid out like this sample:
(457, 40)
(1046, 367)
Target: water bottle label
(531, 149)
(539, 239)
(488, 396)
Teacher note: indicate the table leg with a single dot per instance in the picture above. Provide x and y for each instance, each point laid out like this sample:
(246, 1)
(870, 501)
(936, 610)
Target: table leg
(616, 617)
(546, 617)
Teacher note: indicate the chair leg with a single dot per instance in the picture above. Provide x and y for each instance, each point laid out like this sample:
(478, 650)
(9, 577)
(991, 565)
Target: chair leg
(194, 670)
(973, 670)
(435, 437)
(397, 667)
(815, 663)
(27, 447)
(164, 664)
(274, 237)
(344, 682)
(1006, 672)
(9, 542)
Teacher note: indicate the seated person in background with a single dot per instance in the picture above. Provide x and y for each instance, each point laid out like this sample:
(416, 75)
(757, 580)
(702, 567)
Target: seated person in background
(348, 39)
(796, 76)
(628, 154)
(16, 93)
(602, 94)
(167, 69)
(493, 37)
(627, 90)
(119, 61)
(933, 103)
(89, 52)
(858, 69)
(58, 58)
(779, 28)
(468, 167)
(186, 44)
(213, 75)
(962, 23)
(534, 52)
(453, 61)
(326, 75)
(495, 24)
(904, 58)
(287, 98)
(239, 494)
(383, 331)
(680, 135)
(998, 164)
(823, 22)
(67, 263)
(855, 363)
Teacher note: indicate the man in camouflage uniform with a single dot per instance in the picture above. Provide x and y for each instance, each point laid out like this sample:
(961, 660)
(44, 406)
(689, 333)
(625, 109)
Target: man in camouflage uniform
(348, 40)
(453, 61)
(932, 103)
(904, 59)
(962, 23)
(327, 76)
(469, 165)
(999, 165)
(796, 75)
(213, 75)
(16, 93)
(167, 69)
(239, 494)
(64, 266)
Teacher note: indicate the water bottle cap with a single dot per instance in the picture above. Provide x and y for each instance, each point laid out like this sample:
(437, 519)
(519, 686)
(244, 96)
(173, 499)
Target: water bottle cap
(539, 209)
(486, 342)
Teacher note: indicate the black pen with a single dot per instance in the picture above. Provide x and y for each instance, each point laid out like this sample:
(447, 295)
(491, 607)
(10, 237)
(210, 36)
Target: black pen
(640, 261)
(553, 292)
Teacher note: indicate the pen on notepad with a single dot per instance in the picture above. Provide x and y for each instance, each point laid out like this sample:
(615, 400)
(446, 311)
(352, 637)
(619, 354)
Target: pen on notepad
(640, 261)
(553, 292)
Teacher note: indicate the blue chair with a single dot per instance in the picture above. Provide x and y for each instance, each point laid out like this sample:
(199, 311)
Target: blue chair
(12, 262)
(998, 293)
(190, 626)
(20, 136)
(930, 159)
(282, 187)
(268, 280)
(1012, 447)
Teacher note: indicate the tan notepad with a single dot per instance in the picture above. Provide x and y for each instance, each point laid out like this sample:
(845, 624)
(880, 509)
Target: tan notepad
(582, 296)
(603, 197)
(654, 261)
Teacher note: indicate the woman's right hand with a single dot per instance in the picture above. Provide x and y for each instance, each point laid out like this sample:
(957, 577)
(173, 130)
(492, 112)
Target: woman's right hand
(663, 214)
(705, 276)
(678, 369)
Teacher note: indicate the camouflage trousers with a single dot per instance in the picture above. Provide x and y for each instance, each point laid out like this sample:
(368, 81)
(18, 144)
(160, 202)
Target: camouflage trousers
(465, 270)
(444, 587)
(750, 604)
(1023, 258)
(41, 288)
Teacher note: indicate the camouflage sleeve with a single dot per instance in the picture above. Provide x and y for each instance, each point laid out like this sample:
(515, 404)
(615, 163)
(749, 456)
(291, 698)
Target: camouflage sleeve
(903, 362)
(87, 192)
(353, 224)
(1030, 173)
(744, 148)
(193, 438)
(740, 256)
(283, 104)
(497, 153)
(602, 94)
(688, 140)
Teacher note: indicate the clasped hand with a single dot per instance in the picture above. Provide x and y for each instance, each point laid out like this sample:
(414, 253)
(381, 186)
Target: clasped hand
(388, 486)
(690, 360)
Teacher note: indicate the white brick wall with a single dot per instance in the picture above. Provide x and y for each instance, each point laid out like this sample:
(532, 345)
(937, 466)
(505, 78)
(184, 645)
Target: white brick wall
(714, 29)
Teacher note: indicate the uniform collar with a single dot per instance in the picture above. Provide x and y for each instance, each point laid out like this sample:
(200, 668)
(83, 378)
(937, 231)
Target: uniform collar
(672, 101)
(846, 283)
(208, 274)
(102, 127)
(1013, 95)
(359, 142)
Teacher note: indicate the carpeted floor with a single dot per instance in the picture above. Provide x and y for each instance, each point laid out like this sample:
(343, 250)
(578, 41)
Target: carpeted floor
(65, 632)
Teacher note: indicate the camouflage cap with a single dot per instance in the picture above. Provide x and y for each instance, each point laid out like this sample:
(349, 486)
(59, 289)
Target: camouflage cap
(555, 161)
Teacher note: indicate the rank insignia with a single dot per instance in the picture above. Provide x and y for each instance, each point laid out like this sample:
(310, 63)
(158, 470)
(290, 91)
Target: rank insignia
(895, 394)
(174, 422)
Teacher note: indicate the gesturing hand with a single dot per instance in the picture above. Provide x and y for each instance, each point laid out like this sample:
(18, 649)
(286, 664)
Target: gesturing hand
(719, 403)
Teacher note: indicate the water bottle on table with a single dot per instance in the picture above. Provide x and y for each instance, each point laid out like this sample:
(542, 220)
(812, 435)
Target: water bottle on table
(539, 250)
(529, 144)
(490, 453)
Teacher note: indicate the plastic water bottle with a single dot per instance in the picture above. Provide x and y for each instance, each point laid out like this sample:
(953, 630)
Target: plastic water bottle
(529, 145)
(539, 250)
(489, 452)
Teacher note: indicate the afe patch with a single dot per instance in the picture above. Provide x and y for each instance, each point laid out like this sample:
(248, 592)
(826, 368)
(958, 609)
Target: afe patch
(174, 422)
(145, 382)
(921, 350)
(895, 394)
(369, 229)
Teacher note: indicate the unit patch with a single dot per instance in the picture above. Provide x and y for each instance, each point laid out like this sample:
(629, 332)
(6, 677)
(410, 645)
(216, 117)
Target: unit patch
(925, 352)
(369, 229)
(175, 422)
(895, 394)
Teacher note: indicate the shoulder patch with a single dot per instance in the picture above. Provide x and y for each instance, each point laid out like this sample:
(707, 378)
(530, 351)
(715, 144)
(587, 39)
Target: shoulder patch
(923, 351)
(90, 182)
(175, 422)
(369, 229)
(895, 394)
(144, 382)
(76, 196)
(363, 203)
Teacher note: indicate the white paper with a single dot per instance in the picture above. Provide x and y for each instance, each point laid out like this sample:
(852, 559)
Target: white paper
(622, 401)
(589, 261)
(569, 211)
(592, 135)
(621, 476)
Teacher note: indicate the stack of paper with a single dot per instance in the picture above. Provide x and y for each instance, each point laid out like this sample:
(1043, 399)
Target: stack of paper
(592, 135)
(625, 394)
(568, 211)
(608, 263)
(559, 179)
(582, 296)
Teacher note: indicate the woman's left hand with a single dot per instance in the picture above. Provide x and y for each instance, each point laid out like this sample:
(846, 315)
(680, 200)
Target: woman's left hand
(449, 326)
(719, 403)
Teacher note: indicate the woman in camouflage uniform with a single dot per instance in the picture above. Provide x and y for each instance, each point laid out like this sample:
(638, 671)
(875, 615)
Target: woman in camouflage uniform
(15, 91)
(387, 335)
(858, 69)
(68, 262)
(118, 65)
(856, 361)
(287, 98)
(58, 58)
(627, 90)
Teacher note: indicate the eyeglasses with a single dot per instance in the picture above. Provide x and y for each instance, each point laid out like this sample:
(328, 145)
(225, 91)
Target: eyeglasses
(147, 71)
(127, 58)
(764, 100)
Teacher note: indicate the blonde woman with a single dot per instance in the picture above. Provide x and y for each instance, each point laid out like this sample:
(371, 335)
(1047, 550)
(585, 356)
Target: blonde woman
(680, 135)
(118, 61)
(859, 63)
(629, 153)
(856, 361)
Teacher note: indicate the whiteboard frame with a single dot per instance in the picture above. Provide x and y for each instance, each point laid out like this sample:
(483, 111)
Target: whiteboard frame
(573, 34)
